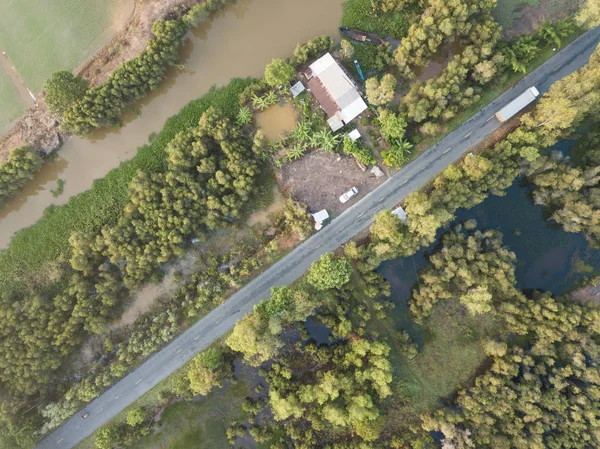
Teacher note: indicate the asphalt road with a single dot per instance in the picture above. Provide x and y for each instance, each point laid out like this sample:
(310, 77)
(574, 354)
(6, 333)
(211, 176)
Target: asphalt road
(340, 230)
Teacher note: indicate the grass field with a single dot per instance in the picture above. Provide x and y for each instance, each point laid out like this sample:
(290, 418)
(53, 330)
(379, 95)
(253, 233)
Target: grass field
(506, 12)
(41, 36)
(48, 238)
(11, 106)
(359, 14)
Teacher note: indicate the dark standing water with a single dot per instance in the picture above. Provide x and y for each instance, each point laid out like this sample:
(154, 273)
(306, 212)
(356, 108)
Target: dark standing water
(548, 258)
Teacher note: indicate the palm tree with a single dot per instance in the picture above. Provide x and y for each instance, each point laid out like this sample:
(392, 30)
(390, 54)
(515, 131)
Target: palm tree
(302, 132)
(270, 98)
(296, 152)
(403, 146)
(244, 116)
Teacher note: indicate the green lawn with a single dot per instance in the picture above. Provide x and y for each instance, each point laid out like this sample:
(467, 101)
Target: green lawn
(359, 14)
(48, 239)
(42, 36)
(506, 13)
(11, 106)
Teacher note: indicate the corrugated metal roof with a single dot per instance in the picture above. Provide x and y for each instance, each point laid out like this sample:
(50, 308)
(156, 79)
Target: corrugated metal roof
(353, 110)
(335, 91)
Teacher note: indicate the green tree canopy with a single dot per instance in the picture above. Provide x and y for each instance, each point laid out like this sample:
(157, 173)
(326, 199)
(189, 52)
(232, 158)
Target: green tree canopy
(279, 73)
(63, 90)
(329, 272)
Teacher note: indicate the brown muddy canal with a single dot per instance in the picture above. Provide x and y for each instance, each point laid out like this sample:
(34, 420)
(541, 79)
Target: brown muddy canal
(238, 42)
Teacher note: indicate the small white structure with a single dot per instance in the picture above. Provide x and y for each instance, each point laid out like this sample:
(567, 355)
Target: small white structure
(297, 89)
(319, 218)
(376, 171)
(400, 213)
(335, 91)
(354, 135)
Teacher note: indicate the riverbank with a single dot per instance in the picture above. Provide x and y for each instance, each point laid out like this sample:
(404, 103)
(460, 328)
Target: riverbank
(82, 160)
(39, 127)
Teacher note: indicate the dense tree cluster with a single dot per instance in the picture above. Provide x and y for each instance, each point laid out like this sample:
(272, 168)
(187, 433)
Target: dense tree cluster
(335, 387)
(279, 73)
(442, 21)
(474, 268)
(542, 396)
(63, 90)
(312, 49)
(22, 163)
(103, 105)
(459, 85)
(208, 370)
(380, 92)
(589, 14)
(562, 108)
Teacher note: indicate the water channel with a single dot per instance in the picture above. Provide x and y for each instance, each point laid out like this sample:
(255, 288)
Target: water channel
(237, 42)
(548, 258)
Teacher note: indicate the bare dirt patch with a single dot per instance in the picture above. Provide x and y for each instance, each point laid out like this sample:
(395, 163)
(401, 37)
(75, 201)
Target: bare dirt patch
(589, 293)
(319, 178)
(531, 17)
(39, 127)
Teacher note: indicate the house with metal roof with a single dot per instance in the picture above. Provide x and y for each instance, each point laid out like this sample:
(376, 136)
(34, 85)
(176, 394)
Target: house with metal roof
(335, 91)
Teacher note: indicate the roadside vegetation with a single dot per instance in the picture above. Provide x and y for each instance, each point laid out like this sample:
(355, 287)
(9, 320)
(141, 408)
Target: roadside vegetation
(387, 378)
(72, 273)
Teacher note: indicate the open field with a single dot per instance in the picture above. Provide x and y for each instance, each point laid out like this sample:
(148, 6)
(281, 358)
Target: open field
(40, 37)
(11, 106)
(519, 17)
(359, 14)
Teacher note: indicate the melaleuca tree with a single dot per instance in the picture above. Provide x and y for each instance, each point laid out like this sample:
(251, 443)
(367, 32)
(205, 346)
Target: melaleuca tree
(474, 268)
(103, 105)
(63, 90)
(441, 22)
(22, 163)
(542, 396)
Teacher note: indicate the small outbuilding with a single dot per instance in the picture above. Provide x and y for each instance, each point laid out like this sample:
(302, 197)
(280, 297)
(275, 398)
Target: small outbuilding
(400, 213)
(319, 218)
(335, 91)
(354, 135)
(297, 89)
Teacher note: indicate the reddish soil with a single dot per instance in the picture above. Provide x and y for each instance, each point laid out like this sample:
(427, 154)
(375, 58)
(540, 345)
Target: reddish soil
(39, 128)
(319, 178)
(589, 293)
(531, 17)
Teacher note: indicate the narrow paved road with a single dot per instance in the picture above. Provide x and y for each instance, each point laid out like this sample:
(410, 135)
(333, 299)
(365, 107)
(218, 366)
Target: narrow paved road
(287, 270)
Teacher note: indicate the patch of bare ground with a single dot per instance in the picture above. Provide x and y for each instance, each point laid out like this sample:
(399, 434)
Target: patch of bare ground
(531, 17)
(39, 127)
(589, 293)
(319, 178)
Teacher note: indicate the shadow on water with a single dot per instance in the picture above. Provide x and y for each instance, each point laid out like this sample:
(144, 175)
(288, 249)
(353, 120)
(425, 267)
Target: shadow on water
(548, 258)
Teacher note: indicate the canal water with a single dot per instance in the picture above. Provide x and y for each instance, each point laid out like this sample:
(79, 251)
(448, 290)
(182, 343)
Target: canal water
(237, 42)
(548, 258)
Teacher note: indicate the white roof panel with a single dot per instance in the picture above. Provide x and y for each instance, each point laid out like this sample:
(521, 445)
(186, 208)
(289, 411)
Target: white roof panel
(320, 216)
(321, 64)
(335, 122)
(354, 135)
(335, 82)
(353, 110)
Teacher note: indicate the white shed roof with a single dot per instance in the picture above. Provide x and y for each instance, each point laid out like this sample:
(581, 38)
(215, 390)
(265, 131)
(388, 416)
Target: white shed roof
(297, 89)
(354, 134)
(321, 216)
(400, 213)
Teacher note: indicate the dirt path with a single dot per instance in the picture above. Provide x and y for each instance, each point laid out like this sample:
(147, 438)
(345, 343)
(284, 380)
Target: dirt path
(26, 95)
